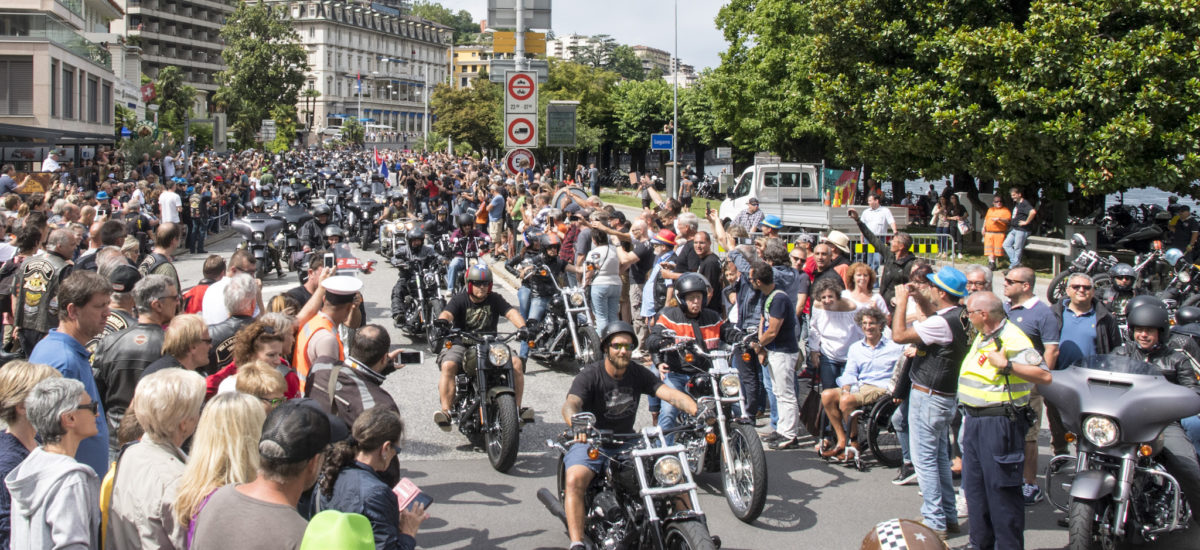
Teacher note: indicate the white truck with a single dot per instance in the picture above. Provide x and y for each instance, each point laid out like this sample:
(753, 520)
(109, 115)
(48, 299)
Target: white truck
(792, 191)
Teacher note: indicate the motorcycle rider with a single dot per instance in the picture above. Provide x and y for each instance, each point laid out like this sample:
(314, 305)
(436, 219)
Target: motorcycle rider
(478, 309)
(313, 231)
(1116, 298)
(258, 210)
(536, 287)
(440, 225)
(333, 236)
(1149, 325)
(685, 319)
(463, 240)
(611, 389)
(411, 260)
(392, 212)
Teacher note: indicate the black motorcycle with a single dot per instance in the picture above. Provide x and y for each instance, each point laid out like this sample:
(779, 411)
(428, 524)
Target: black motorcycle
(1116, 409)
(257, 232)
(472, 249)
(485, 402)
(567, 333)
(734, 447)
(288, 241)
(632, 503)
(422, 301)
(1087, 261)
(360, 220)
(1184, 286)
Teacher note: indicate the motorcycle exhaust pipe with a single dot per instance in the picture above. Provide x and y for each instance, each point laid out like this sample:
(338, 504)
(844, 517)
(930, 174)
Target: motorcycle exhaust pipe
(552, 504)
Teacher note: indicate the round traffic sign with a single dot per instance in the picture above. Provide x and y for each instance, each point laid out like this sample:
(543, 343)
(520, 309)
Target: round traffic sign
(512, 160)
(520, 87)
(520, 131)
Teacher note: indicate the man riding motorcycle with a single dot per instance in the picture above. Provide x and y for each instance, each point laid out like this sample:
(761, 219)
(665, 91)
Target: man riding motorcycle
(440, 225)
(392, 212)
(1149, 325)
(1116, 298)
(312, 233)
(685, 319)
(610, 389)
(537, 290)
(412, 258)
(464, 239)
(476, 310)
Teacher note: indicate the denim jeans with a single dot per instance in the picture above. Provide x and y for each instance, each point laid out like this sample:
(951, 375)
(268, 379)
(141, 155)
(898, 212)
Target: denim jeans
(929, 419)
(900, 423)
(606, 303)
(750, 374)
(1191, 427)
(196, 235)
(667, 416)
(531, 308)
(830, 371)
(455, 271)
(1014, 245)
(769, 388)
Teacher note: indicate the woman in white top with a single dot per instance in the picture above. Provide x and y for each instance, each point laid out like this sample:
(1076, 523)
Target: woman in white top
(831, 330)
(860, 287)
(604, 264)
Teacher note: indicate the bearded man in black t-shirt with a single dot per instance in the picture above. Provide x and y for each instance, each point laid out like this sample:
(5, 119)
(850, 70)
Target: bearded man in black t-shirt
(476, 310)
(611, 389)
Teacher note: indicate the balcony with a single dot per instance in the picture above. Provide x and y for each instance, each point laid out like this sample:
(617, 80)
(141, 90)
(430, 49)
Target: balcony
(43, 26)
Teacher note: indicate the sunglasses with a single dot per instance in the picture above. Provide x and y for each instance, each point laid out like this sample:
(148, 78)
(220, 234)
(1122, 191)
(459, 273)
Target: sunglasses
(93, 407)
(1081, 288)
(274, 402)
(1015, 281)
(620, 347)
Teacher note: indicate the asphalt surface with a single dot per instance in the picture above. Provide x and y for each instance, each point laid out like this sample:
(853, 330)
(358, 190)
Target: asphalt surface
(811, 502)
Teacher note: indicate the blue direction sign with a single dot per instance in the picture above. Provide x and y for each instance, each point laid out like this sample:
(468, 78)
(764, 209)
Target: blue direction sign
(661, 142)
(125, 132)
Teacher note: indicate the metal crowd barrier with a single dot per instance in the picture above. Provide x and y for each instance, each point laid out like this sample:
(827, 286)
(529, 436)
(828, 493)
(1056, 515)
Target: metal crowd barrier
(929, 246)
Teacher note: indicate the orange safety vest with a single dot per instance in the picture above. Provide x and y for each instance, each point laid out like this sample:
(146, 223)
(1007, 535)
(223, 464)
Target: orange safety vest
(311, 328)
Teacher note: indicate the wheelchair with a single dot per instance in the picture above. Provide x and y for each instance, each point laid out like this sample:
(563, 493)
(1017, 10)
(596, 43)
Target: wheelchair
(875, 432)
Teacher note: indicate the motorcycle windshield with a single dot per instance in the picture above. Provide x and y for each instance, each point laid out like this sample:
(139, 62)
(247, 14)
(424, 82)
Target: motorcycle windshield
(1118, 364)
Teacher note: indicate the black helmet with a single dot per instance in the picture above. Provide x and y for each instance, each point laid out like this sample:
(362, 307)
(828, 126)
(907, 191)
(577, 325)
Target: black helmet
(1122, 270)
(414, 234)
(395, 195)
(1187, 315)
(257, 203)
(479, 273)
(1149, 315)
(533, 239)
(443, 211)
(465, 220)
(614, 328)
(321, 210)
(334, 231)
(1143, 299)
(689, 283)
(290, 194)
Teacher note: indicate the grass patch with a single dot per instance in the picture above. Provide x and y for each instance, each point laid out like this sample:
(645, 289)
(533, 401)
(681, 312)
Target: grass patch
(622, 199)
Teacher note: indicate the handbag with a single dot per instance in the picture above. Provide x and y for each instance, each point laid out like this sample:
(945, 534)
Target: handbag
(810, 411)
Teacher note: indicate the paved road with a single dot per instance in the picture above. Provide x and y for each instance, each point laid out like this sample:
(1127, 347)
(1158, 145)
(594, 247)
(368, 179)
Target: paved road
(811, 502)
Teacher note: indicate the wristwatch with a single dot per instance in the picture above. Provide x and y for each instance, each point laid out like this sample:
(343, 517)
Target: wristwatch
(1007, 370)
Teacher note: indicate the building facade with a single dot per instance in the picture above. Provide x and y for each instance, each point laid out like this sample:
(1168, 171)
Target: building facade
(184, 33)
(653, 59)
(565, 47)
(373, 62)
(471, 61)
(57, 85)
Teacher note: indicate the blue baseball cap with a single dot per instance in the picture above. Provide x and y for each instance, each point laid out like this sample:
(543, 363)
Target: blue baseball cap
(951, 280)
(772, 221)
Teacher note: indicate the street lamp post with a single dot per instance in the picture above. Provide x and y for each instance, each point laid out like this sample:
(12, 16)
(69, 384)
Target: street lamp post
(675, 115)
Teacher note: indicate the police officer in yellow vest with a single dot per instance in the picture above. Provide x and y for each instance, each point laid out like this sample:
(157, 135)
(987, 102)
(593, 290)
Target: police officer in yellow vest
(994, 384)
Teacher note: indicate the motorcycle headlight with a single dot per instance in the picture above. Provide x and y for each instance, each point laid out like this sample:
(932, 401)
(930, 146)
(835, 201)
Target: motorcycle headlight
(1185, 277)
(668, 470)
(431, 279)
(498, 355)
(1101, 431)
(730, 385)
(408, 226)
(258, 236)
(577, 299)
(292, 228)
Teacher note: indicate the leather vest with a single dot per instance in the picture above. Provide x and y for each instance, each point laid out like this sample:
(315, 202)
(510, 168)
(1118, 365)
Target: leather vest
(118, 363)
(222, 335)
(36, 291)
(936, 366)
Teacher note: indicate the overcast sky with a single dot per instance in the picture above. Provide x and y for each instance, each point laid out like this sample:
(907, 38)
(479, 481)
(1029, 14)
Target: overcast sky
(633, 22)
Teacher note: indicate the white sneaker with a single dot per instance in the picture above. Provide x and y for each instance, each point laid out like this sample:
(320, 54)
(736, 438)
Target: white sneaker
(960, 503)
(960, 255)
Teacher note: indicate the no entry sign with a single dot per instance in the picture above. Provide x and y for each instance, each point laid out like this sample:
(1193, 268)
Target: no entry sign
(514, 158)
(520, 92)
(520, 131)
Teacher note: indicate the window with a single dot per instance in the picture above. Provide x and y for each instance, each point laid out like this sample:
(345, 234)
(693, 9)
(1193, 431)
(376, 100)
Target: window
(464, 82)
(16, 85)
(106, 102)
(312, 32)
(68, 92)
(786, 179)
(54, 89)
(92, 98)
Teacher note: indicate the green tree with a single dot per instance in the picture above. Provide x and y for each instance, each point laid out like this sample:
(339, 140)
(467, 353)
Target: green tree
(265, 66)
(469, 115)
(124, 117)
(621, 60)
(465, 28)
(640, 109)
(174, 99)
(592, 88)
(353, 133)
(285, 128)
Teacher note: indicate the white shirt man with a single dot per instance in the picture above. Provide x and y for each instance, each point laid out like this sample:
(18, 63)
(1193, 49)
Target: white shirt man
(169, 204)
(51, 163)
(168, 167)
(877, 218)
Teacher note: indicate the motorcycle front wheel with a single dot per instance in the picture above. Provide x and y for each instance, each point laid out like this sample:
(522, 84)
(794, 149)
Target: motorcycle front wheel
(436, 305)
(746, 484)
(1085, 519)
(688, 534)
(589, 346)
(1058, 287)
(503, 435)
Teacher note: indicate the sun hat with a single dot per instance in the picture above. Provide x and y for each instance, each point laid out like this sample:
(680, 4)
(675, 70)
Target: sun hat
(840, 240)
(772, 221)
(664, 237)
(951, 280)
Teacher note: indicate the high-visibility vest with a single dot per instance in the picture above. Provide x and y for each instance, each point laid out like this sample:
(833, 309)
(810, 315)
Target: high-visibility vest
(979, 382)
(311, 328)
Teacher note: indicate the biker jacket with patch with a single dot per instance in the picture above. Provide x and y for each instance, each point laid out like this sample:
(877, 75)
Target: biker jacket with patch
(1174, 364)
(222, 334)
(35, 291)
(118, 364)
(708, 328)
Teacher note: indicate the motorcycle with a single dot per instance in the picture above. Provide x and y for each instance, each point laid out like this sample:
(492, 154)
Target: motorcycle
(1087, 261)
(1119, 489)
(485, 402)
(734, 445)
(423, 301)
(473, 248)
(632, 503)
(393, 237)
(257, 232)
(1184, 286)
(288, 240)
(568, 314)
(360, 221)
